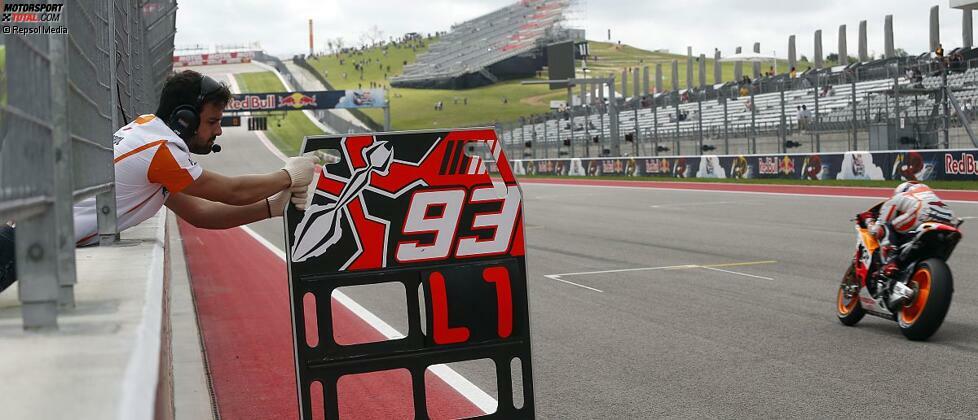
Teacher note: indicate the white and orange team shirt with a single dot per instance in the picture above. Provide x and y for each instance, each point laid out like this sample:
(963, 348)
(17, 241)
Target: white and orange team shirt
(151, 162)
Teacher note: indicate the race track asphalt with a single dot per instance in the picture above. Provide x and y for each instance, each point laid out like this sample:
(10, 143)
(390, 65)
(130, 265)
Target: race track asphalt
(726, 307)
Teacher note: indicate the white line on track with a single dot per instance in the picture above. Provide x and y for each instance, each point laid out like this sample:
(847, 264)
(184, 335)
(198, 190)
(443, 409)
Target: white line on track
(557, 277)
(737, 273)
(713, 267)
(623, 270)
(469, 390)
(625, 187)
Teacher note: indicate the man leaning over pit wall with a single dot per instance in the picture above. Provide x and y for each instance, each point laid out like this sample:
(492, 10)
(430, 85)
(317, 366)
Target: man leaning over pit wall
(153, 168)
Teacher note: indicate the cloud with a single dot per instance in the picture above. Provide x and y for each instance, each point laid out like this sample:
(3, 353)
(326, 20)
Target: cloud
(281, 27)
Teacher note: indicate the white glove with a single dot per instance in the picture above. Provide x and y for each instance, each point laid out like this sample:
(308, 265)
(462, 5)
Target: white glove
(276, 203)
(300, 200)
(300, 170)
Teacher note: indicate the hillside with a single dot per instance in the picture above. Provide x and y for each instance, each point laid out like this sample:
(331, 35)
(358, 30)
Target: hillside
(414, 108)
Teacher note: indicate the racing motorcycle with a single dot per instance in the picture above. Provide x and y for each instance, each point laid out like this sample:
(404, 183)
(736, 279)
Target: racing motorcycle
(923, 269)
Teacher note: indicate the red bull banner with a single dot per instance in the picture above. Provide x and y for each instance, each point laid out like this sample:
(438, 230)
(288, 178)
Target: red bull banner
(290, 101)
(906, 165)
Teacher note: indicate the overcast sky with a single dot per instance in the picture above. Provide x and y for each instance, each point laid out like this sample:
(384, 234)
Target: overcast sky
(281, 26)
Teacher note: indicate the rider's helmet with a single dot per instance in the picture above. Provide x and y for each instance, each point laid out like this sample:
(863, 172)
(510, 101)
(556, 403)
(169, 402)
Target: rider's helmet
(908, 187)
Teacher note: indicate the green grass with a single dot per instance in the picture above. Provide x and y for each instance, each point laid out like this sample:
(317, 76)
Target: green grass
(613, 58)
(287, 129)
(939, 185)
(414, 108)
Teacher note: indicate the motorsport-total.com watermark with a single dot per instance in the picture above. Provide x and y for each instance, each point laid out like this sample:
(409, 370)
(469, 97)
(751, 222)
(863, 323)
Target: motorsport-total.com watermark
(32, 19)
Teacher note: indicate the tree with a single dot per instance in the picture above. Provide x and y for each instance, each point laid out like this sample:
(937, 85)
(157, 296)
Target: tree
(372, 35)
(900, 52)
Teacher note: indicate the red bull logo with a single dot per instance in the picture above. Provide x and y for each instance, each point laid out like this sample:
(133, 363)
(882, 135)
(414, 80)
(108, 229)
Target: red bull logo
(296, 100)
(251, 103)
(967, 165)
(787, 166)
(768, 165)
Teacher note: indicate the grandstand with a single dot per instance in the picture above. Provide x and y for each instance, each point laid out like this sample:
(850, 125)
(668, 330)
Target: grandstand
(896, 101)
(873, 98)
(504, 44)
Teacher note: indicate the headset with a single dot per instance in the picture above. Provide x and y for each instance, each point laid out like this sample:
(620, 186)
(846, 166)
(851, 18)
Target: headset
(185, 119)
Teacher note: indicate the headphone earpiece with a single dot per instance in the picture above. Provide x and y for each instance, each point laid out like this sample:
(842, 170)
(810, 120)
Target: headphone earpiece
(184, 121)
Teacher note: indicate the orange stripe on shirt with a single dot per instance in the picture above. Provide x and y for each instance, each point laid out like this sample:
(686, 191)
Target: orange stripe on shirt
(138, 149)
(165, 170)
(85, 239)
(144, 201)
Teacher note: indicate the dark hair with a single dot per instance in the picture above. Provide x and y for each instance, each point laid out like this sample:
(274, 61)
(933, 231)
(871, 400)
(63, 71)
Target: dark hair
(183, 88)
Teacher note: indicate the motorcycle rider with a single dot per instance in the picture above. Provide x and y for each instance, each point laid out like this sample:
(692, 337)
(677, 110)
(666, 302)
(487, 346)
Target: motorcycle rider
(913, 203)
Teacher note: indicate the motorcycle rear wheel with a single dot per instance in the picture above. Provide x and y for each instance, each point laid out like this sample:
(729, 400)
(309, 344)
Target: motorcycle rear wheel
(848, 308)
(920, 318)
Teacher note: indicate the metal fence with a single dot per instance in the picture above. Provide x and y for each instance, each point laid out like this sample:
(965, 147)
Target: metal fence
(65, 96)
(897, 104)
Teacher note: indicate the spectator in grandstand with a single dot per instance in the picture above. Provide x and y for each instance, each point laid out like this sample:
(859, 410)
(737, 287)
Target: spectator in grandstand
(806, 114)
(793, 73)
(672, 118)
(957, 61)
(917, 78)
(153, 168)
(939, 51)
(827, 90)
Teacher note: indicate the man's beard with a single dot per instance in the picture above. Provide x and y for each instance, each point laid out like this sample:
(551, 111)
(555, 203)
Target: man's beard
(201, 147)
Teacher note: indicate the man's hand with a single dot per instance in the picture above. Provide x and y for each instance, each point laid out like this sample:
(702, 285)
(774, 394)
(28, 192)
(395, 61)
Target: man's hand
(300, 170)
(276, 203)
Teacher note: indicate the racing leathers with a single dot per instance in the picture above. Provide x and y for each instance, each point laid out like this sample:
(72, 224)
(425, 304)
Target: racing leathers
(911, 205)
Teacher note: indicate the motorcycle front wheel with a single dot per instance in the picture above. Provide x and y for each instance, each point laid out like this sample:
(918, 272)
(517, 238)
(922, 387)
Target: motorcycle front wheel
(933, 285)
(848, 308)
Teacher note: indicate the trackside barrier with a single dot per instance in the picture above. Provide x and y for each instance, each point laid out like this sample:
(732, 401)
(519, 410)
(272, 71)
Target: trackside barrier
(418, 209)
(920, 165)
(61, 96)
